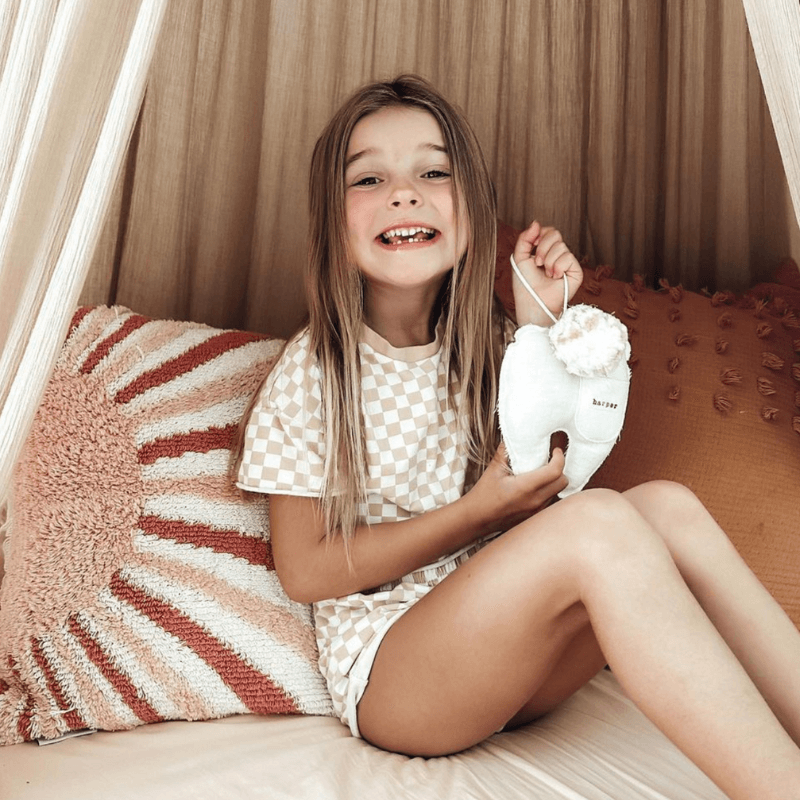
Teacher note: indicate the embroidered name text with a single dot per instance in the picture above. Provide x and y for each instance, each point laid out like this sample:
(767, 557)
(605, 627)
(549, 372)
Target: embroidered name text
(603, 403)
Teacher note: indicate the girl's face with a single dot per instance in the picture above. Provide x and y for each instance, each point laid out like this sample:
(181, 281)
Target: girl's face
(401, 221)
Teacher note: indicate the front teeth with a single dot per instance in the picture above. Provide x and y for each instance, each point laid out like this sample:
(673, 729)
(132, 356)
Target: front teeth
(405, 232)
(398, 236)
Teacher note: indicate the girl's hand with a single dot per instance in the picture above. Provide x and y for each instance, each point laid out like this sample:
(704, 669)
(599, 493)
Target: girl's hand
(544, 259)
(502, 500)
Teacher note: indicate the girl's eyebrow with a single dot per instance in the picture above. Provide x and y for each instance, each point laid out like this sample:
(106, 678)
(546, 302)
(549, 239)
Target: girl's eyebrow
(369, 151)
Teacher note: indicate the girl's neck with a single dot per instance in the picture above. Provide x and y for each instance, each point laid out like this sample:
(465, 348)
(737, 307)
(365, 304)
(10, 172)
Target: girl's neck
(405, 321)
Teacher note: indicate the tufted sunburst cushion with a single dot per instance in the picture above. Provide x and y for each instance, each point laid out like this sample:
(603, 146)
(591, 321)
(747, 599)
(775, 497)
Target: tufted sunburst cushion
(714, 404)
(139, 585)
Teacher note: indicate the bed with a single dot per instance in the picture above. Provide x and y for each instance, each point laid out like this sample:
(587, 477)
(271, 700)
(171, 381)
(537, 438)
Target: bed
(596, 746)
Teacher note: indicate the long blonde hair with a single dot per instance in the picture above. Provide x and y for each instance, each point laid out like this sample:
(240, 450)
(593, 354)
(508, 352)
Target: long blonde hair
(473, 338)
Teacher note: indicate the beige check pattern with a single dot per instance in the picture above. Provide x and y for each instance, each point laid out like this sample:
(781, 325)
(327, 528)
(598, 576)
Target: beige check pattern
(415, 459)
(416, 463)
(284, 451)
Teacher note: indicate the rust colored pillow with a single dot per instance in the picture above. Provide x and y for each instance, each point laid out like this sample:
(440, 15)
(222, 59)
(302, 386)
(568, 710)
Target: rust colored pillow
(139, 585)
(714, 404)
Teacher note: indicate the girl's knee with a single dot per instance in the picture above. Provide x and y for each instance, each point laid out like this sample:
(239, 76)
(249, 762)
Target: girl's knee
(673, 510)
(594, 534)
(605, 530)
(599, 511)
(678, 516)
(665, 498)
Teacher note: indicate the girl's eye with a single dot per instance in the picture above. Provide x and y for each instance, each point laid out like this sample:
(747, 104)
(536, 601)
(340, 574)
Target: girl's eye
(436, 173)
(370, 180)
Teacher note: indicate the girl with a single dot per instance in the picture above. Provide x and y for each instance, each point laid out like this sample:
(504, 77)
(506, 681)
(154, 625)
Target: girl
(452, 599)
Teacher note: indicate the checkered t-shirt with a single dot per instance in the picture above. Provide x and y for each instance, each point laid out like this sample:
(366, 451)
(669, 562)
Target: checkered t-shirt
(416, 463)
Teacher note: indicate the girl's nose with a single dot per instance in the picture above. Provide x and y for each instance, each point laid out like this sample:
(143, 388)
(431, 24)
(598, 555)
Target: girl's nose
(404, 194)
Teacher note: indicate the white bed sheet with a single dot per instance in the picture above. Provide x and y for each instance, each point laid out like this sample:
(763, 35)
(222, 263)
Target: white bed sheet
(597, 746)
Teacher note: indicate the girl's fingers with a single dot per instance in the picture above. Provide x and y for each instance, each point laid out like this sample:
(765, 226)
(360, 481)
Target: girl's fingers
(521, 495)
(558, 459)
(554, 469)
(559, 261)
(546, 475)
(545, 245)
(527, 242)
(548, 238)
(557, 254)
(566, 264)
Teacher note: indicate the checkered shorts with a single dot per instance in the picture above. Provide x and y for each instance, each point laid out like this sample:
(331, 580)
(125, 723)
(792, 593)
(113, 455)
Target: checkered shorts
(350, 629)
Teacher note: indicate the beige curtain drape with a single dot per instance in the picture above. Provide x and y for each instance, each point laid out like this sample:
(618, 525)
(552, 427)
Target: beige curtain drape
(640, 129)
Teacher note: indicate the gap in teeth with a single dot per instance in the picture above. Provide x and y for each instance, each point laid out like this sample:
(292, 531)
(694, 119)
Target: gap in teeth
(407, 235)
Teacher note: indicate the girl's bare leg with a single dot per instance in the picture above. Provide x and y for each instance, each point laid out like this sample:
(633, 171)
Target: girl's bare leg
(484, 644)
(755, 627)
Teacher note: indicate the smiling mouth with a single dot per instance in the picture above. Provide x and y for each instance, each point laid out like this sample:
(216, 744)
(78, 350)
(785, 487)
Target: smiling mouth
(414, 235)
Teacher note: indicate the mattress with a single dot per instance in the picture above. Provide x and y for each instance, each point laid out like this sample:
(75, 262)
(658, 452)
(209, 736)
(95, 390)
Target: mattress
(595, 746)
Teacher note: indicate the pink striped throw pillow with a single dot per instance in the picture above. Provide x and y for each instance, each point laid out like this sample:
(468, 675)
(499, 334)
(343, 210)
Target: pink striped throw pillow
(139, 585)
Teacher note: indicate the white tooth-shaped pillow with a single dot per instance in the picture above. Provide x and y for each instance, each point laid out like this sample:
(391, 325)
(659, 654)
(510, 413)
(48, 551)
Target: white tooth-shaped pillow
(571, 377)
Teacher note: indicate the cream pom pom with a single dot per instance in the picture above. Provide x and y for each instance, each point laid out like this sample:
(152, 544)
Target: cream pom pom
(589, 341)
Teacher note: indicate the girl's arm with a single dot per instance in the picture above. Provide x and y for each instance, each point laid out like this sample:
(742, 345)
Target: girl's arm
(311, 568)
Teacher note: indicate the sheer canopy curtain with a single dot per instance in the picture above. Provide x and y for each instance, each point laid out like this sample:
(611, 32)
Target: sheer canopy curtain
(640, 129)
(775, 30)
(72, 74)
